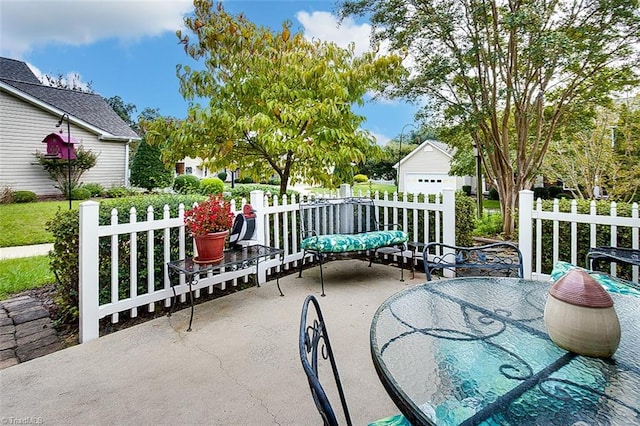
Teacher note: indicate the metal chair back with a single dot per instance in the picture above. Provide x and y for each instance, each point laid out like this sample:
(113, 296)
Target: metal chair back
(315, 346)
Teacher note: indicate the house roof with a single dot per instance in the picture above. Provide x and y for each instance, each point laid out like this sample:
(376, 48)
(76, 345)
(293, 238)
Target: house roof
(443, 147)
(89, 108)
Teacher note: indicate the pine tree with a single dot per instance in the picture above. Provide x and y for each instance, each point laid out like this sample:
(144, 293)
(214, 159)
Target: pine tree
(147, 169)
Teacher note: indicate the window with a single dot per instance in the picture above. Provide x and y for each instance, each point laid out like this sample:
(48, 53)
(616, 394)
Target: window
(189, 170)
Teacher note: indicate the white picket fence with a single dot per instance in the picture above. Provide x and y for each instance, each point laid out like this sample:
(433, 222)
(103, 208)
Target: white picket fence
(531, 216)
(276, 225)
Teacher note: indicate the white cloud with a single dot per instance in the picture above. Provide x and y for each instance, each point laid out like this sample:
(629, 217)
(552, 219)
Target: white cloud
(381, 139)
(325, 26)
(27, 24)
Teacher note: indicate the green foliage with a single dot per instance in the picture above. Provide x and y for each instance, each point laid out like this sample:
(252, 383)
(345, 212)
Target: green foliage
(210, 186)
(80, 194)
(465, 223)
(186, 184)
(65, 257)
(95, 189)
(360, 178)
(119, 192)
(478, 62)
(59, 169)
(244, 191)
(24, 197)
(147, 169)
(623, 234)
(489, 225)
(222, 176)
(467, 190)
(245, 179)
(280, 104)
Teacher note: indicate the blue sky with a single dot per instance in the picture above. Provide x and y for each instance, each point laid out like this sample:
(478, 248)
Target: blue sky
(129, 48)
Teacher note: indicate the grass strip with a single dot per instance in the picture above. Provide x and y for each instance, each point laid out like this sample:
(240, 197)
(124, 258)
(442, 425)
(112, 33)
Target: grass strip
(25, 273)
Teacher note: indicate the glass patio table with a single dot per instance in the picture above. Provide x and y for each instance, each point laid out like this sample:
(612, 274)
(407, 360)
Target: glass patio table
(476, 351)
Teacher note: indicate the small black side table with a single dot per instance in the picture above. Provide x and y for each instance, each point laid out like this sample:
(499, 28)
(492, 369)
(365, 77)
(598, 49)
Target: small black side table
(416, 248)
(234, 259)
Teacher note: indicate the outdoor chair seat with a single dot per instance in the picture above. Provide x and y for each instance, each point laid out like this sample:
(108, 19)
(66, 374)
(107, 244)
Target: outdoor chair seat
(341, 243)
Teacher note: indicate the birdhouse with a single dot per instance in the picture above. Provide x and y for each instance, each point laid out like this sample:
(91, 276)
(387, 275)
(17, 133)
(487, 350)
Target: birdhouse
(60, 146)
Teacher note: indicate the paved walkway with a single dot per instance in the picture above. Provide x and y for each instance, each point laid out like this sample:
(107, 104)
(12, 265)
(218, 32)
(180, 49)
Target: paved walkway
(25, 251)
(239, 366)
(26, 331)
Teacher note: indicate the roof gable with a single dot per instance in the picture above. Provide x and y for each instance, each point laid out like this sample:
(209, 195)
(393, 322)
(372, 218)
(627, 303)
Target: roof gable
(13, 70)
(439, 146)
(88, 107)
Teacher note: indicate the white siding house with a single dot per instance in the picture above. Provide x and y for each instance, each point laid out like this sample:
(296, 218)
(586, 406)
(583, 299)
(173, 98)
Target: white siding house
(426, 169)
(30, 112)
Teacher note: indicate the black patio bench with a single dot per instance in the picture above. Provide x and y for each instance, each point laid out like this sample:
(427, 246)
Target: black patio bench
(342, 225)
(496, 259)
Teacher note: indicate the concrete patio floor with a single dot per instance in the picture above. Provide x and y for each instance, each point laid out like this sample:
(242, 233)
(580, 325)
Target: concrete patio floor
(239, 366)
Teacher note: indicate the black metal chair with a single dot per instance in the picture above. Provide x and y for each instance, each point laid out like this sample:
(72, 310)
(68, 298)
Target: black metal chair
(315, 346)
(314, 341)
(497, 259)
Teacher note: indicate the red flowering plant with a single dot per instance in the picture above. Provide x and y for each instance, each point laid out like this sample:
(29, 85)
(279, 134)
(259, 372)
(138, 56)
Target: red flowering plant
(212, 215)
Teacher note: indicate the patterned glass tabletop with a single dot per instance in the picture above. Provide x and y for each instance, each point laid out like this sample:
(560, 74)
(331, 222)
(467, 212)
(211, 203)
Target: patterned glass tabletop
(476, 351)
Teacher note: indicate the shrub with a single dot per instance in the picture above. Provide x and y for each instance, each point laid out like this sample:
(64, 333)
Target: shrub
(80, 194)
(24, 196)
(246, 179)
(467, 190)
(360, 178)
(465, 222)
(6, 195)
(222, 176)
(488, 225)
(274, 181)
(209, 186)
(147, 169)
(65, 255)
(95, 189)
(186, 184)
(118, 192)
(493, 194)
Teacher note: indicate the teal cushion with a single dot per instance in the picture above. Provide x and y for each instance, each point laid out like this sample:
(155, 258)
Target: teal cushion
(397, 420)
(340, 243)
(609, 283)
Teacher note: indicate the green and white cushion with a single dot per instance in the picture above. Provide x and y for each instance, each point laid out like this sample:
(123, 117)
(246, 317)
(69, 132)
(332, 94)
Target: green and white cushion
(341, 243)
(609, 283)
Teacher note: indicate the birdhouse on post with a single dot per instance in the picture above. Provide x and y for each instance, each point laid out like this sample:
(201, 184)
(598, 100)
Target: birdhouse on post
(60, 146)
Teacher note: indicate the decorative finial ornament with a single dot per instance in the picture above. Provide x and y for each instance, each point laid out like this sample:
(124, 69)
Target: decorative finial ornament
(580, 317)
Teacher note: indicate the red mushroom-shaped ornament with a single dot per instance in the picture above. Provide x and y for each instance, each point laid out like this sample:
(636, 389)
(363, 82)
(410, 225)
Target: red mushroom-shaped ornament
(580, 317)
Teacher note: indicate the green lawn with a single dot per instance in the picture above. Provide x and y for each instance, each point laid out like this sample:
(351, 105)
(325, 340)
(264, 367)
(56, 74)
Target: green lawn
(24, 224)
(17, 275)
(364, 187)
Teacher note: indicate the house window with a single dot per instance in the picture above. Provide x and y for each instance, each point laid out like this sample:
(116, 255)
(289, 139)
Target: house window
(189, 170)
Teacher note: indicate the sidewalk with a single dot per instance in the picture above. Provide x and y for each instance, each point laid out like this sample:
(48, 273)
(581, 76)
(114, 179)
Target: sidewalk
(25, 251)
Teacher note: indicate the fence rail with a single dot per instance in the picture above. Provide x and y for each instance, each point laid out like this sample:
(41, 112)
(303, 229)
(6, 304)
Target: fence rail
(534, 222)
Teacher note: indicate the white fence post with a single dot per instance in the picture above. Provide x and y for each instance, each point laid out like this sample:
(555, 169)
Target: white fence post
(88, 279)
(448, 222)
(262, 228)
(525, 231)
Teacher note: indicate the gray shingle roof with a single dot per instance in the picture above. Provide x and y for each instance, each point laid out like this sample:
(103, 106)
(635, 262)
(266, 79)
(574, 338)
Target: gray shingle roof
(88, 107)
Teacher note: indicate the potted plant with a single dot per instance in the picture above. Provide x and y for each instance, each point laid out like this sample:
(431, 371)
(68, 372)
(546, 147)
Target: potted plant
(209, 223)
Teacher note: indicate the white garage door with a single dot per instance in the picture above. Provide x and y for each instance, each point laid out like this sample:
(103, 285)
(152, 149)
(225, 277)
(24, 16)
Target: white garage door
(428, 183)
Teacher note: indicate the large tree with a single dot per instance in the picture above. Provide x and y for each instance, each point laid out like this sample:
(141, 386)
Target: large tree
(274, 102)
(509, 71)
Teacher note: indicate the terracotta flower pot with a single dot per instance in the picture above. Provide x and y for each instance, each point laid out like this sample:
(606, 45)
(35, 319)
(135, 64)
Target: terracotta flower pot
(580, 317)
(210, 247)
